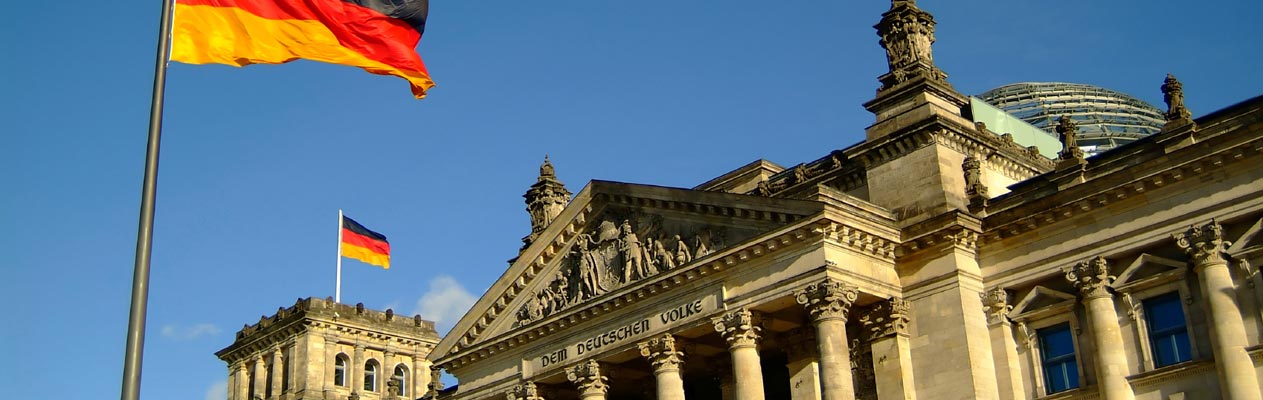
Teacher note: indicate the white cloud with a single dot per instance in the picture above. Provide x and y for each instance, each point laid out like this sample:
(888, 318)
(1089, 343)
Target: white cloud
(191, 332)
(445, 302)
(217, 391)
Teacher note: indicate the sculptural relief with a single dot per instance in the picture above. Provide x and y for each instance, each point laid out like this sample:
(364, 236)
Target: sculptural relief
(612, 256)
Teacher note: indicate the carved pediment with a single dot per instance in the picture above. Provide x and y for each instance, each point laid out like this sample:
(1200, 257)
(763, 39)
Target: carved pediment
(1041, 301)
(1149, 270)
(612, 236)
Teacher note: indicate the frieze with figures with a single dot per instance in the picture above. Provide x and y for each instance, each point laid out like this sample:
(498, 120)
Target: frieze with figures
(616, 253)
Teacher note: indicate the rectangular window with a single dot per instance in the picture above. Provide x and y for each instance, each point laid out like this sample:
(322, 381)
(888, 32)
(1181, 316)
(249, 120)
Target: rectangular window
(1056, 346)
(1168, 334)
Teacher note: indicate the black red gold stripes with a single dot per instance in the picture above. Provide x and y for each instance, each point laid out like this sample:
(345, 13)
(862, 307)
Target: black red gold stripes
(379, 36)
(363, 244)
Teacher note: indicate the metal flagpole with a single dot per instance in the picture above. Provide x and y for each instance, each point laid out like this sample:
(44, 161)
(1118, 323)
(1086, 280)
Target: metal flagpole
(144, 234)
(337, 286)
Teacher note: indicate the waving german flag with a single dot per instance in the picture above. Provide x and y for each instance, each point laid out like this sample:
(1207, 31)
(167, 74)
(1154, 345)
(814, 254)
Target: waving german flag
(379, 36)
(362, 244)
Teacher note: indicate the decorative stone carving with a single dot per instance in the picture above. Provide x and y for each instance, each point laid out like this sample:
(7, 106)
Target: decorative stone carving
(1068, 132)
(828, 299)
(739, 328)
(973, 179)
(1173, 95)
(907, 34)
(1092, 277)
(864, 378)
(525, 391)
(613, 256)
(544, 200)
(887, 318)
(587, 377)
(997, 305)
(1204, 243)
(662, 353)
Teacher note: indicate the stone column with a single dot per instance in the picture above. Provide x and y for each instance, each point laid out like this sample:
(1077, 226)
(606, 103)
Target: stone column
(1004, 345)
(277, 370)
(887, 327)
(1207, 247)
(260, 376)
(1093, 278)
(355, 371)
(666, 360)
(804, 372)
(587, 378)
(738, 328)
(828, 302)
(524, 391)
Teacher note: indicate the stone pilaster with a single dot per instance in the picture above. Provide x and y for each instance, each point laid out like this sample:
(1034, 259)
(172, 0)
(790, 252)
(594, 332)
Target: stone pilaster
(588, 379)
(1093, 278)
(331, 354)
(260, 376)
(828, 302)
(420, 375)
(887, 327)
(1003, 345)
(276, 371)
(240, 389)
(387, 373)
(804, 367)
(524, 391)
(356, 370)
(666, 360)
(1206, 246)
(742, 334)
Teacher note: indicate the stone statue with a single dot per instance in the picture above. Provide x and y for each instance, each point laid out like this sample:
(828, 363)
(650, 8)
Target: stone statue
(590, 268)
(1067, 131)
(1173, 95)
(682, 255)
(662, 257)
(635, 266)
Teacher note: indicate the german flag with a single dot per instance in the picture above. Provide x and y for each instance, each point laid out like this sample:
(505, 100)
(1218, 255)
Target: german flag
(362, 244)
(379, 36)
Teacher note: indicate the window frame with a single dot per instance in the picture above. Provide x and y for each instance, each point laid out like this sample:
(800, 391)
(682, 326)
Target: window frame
(345, 363)
(1134, 289)
(1028, 321)
(1144, 308)
(401, 377)
(371, 374)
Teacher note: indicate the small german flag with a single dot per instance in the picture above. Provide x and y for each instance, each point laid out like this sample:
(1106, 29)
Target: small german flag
(362, 244)
(379, 36)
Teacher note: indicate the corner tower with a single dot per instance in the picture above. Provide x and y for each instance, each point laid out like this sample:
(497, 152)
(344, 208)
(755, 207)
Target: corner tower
(318, 349)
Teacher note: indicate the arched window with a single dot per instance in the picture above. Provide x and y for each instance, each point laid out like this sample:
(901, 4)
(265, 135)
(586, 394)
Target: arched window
(401, 379)
(339, 370)
(370, 376)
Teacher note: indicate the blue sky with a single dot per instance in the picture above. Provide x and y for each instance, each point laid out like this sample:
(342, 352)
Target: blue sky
(257, 161)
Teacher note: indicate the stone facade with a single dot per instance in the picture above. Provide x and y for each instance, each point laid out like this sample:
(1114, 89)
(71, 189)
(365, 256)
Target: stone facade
(933, 260)
(318, 349)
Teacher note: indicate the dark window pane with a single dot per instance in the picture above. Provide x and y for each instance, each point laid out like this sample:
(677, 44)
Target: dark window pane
(1168, 333)
(1061, 370)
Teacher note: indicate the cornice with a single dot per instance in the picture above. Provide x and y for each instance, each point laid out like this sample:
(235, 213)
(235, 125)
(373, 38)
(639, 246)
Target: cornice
(954, 229)
(1050, 206)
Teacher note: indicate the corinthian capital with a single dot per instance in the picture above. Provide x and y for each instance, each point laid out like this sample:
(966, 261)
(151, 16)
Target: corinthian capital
(738, 328)
(1204, 243)
(587, 377)
(1091, 277)
(662, 353)
(828, 299)
(887, 318)
(997, 303)
(524, 391)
